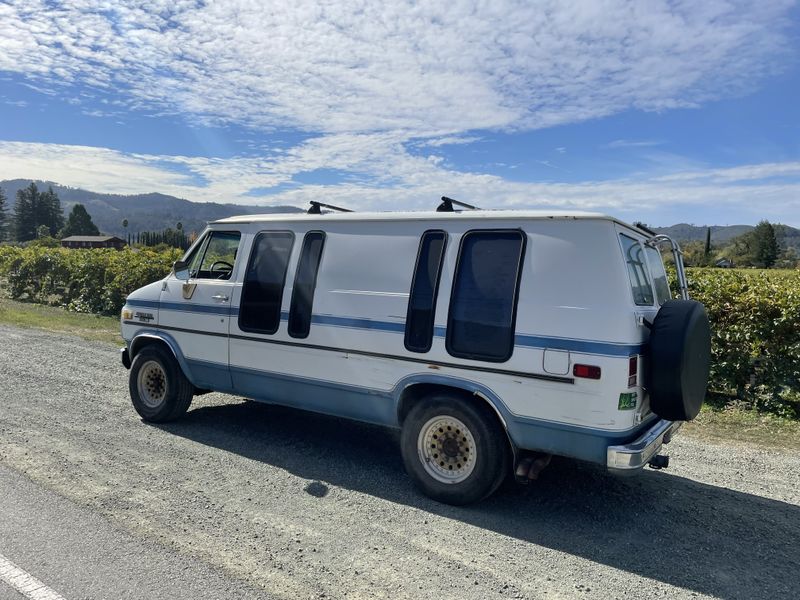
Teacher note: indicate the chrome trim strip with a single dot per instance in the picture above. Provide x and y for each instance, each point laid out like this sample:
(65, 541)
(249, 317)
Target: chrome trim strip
(628, 458)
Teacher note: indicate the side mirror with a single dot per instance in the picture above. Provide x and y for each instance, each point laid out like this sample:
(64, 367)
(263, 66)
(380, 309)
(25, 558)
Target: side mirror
(181, 270)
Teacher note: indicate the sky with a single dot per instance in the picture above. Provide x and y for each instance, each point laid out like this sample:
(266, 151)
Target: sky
(659, 111)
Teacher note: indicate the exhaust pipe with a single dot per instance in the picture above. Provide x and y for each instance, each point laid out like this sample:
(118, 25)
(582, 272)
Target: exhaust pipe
(659, 461)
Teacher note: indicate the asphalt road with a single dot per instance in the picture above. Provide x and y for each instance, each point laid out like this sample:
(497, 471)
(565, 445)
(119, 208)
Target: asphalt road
(246, 500)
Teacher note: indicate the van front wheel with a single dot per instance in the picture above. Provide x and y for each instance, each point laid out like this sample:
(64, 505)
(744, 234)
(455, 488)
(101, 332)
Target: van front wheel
(454, 450)
(159, 390)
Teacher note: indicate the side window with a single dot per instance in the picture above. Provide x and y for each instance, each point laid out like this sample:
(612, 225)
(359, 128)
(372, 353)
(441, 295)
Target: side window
(260, 310)
(637, 271)
(424, 288)
(305, 281)
(215, 256)
(658, 273)
(483, 303)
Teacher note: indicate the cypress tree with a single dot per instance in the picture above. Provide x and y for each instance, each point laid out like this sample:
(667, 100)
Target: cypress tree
(24, 213)
(49, 212)
(3, 215)
(766, 245)
(79, 223)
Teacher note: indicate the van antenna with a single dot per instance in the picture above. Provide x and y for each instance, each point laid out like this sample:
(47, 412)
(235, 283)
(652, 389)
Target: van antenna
(317, 206)
(447, 205)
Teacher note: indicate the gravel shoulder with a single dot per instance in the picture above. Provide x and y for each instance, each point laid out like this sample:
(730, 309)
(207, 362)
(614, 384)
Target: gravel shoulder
(307, 506)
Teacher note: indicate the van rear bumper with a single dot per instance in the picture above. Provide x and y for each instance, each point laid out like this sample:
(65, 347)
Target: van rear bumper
(630, 458)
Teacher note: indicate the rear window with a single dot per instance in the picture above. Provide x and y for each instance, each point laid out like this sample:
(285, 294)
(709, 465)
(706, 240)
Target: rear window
(658, 273)
(637, 271)
(483, 303)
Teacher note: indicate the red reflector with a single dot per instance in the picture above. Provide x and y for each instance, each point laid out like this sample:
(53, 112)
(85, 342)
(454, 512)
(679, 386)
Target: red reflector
(633, 367)
(586, 371)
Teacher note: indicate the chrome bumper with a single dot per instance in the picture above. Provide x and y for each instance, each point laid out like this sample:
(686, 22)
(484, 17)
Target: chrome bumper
(126, 357)
(629, 458)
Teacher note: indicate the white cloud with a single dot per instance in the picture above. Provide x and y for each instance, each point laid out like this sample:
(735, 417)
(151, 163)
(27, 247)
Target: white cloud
(633, 143)
(429, 69)
(450, 140)
(739, 174)
(389, 177)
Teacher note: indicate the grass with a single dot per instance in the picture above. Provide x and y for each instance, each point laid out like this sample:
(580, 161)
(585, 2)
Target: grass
(748, 426)
(53, 318)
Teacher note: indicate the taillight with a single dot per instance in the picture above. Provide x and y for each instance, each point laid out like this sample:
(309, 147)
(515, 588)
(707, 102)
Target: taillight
(633, 369)
(586, 371)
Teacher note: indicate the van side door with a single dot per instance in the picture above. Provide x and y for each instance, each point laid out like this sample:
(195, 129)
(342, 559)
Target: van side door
(197, 312)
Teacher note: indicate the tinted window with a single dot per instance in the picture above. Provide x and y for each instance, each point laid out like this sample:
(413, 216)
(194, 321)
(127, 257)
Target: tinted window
(484, 297)
(658, 273)
(263, 283)
(305, 281)
(422, 299)
(215, 256)
(637, 271)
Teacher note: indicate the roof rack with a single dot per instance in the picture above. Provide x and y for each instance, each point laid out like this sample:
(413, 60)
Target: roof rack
(447, 205)
(643, 227)
(316, 208)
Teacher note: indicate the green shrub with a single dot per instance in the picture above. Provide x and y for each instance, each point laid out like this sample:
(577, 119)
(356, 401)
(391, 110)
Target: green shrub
(90, 280)
(755, 346)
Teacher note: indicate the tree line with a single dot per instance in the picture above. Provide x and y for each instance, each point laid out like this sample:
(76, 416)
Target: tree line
(38, 215)
(758, 247)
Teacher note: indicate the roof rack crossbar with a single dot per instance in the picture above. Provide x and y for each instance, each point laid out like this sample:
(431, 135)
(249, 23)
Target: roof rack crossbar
(447, 205)
(643, 227)
(316, 208)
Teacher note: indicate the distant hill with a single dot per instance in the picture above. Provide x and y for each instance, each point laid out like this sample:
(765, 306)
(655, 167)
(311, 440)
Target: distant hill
(683, 232)
(145, 212)
(788, 237)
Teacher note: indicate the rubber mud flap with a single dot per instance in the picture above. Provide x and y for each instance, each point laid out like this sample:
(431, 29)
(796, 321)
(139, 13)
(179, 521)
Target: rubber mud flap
(680, 357)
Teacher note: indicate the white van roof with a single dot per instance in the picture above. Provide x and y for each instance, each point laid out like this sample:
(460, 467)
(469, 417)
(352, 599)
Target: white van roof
(421, 216)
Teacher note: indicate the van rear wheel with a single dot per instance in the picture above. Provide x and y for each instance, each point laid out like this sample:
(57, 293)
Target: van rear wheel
(159, 390)
(454, 450)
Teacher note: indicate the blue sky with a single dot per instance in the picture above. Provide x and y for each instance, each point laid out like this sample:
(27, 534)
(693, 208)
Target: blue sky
(657, 111)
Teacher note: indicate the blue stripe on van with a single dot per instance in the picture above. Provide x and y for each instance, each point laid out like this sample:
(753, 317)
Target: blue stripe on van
(356, 323)
(582, 346)
(522, 340)
(143, 303)
(214, 309)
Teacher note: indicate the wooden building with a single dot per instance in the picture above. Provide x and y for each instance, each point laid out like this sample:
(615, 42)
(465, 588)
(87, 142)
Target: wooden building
(93, 241)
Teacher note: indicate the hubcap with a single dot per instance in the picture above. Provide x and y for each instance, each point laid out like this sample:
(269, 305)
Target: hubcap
(152, 384)
(447, 449)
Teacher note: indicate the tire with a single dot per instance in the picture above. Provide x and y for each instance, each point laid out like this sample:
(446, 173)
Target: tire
(680, 358)
(159, 390)
(466, 440)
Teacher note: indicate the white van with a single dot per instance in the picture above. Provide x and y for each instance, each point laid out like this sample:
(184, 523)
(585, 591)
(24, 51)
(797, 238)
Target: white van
(493, 339)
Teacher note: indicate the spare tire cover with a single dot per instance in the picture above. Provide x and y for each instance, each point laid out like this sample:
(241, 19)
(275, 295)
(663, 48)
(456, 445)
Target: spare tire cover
(680, 357)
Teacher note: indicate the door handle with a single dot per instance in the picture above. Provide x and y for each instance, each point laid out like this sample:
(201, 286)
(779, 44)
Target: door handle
(220, 298)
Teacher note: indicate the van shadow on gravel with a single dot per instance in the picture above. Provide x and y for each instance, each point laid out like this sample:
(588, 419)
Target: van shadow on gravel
(700, 537)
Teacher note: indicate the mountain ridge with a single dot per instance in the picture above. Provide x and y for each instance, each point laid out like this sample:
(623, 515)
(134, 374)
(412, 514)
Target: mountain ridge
(151, 211)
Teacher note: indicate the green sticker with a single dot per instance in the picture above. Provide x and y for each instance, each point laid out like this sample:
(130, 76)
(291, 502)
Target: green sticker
(627, 401)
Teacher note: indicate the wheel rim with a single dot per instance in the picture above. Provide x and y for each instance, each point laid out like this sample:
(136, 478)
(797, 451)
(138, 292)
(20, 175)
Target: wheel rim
(447, 449)
(152, 384)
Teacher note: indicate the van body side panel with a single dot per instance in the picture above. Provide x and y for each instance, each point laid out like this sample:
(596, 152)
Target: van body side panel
(570, 299)
(574, 298)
